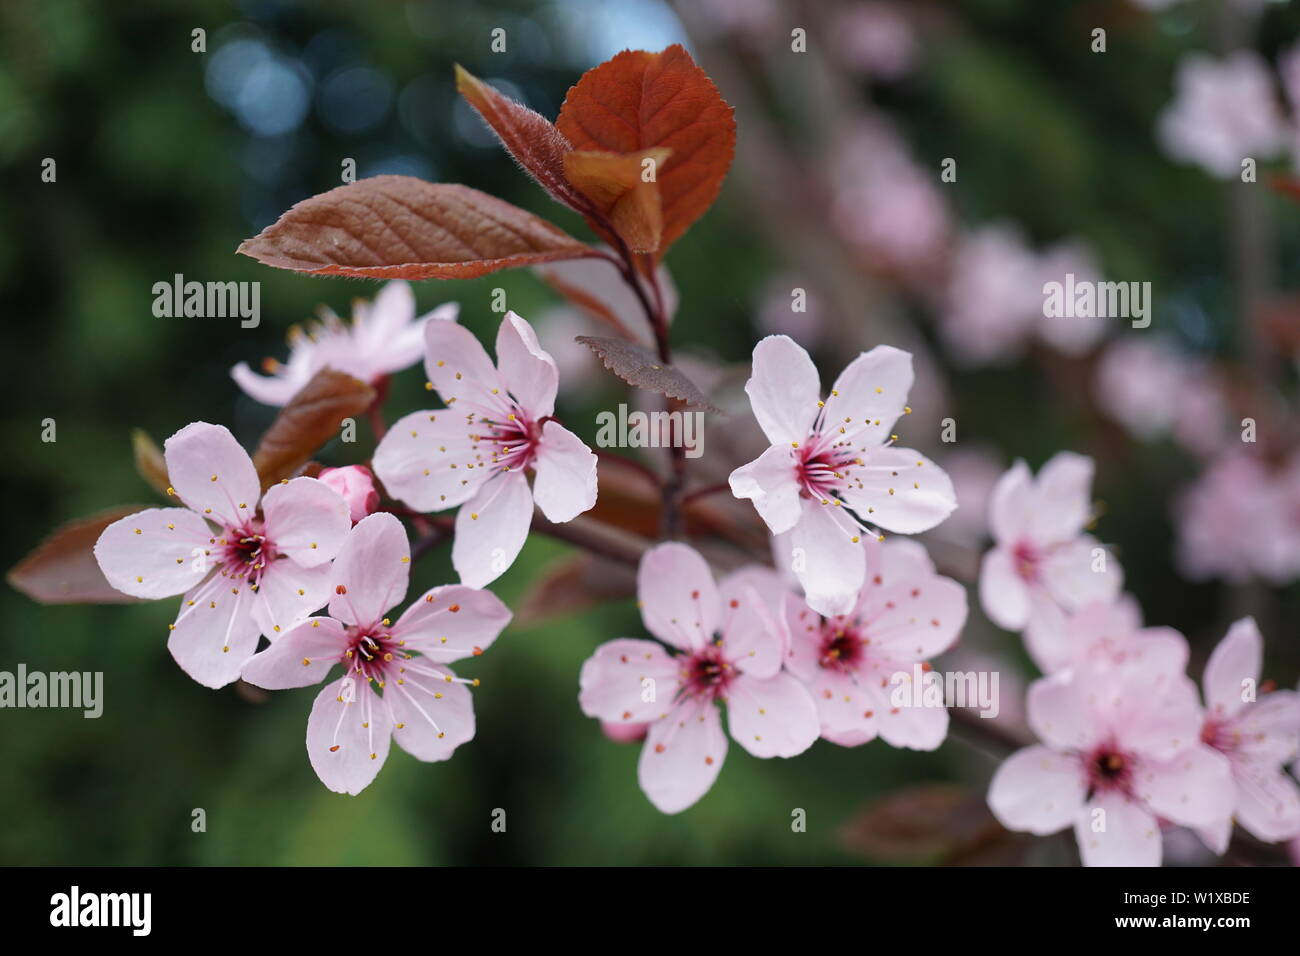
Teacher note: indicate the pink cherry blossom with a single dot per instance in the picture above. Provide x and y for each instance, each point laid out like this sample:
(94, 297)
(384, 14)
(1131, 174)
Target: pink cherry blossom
(355, 485)
(994, 296)
(1235, 523)
(996, 303)
(1153, 389)
(497, 425)
(246, 570)
(384, 337)
(1258, 732)
(729, 650)
(833, 472)
(1223, 111)
(876, 39)
(885, 204)
(1041, 563)
(1120, 751)
(1107, 631)
(905, 615)
(396, 684)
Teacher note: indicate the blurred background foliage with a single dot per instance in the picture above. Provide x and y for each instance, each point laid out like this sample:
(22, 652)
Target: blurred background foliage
(168, 158)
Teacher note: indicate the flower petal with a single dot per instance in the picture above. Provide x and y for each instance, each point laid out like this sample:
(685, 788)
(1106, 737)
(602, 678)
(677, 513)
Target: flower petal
(918, 619)
(460, 370)
(772, 717)
(829, 563)
(1037, 790)
(1081, 572)
(527, 369)
(301, 657)
(287, 593)
(372, 571)
(215, 633)
(1003, 593)
(872, 388)
(752, 636)
(307, 520)
(1011, 504)
(1059, 712)
(1113, 831)
(1268, 802)
(155, 553)
(1194, 788)
(452, 622)
(682, 756)
(628, 682)
(565, 482)
(679, 600)
(430, 461)
(431, 715)
(771, 483)
(1062, 500)
(1234, 668)
(348, 735)
(211, 473)
(900, 490)
(491, 529)
(783, 390)
(273, 390)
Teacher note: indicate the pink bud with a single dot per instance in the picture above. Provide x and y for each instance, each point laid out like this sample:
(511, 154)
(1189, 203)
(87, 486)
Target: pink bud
(622, 733)
(356, 486)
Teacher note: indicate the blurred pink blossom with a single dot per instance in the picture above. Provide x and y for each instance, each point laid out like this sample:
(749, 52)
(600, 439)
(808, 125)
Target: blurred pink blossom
(876, 39)
(995, 301)
(1153, 389)
(1235, 522)
(1258, 732)
(1223, 112)
(905, 615)
(1042, 564)
(1120, 752)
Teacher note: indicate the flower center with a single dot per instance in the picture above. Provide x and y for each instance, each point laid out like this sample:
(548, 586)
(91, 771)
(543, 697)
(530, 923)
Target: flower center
(1109, 769)
(706, 673)
(514, 441)
(822, 467)
(842, 646)
(245, 552)
(370, 652)
(1025, 558)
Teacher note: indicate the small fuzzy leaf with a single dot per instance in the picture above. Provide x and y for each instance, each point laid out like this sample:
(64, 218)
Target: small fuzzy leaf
(639, 366)
(311, 419)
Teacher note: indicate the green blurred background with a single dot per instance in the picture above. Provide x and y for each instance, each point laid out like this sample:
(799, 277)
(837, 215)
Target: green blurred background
(168, 158)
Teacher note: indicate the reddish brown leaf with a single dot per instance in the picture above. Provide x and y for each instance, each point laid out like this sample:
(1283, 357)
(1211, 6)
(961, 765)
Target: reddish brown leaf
(311, 418)
(639, 366)
(63, 570)
(641, 100)
(529, 137)
(149, 461)
(615, 182)
(399, 227)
